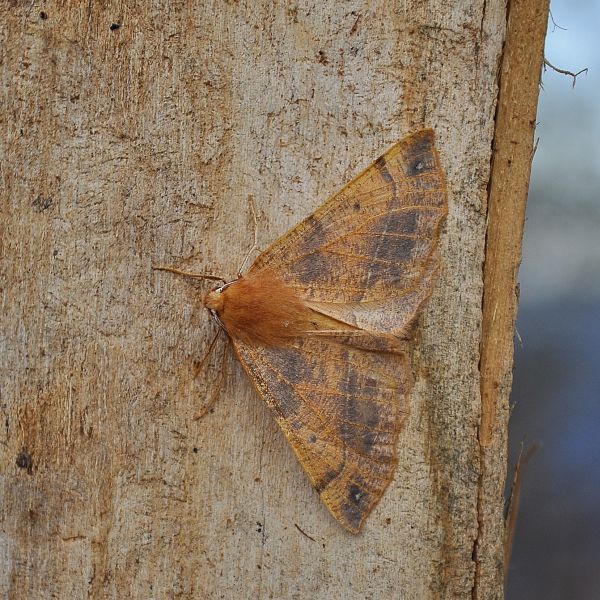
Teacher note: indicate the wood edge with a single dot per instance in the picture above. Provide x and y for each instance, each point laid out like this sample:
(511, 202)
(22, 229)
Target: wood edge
(512, 152)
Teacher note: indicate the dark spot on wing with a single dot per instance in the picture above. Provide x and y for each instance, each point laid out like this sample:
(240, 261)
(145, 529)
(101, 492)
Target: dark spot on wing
(308, 267)
(358, 501)
(395, 250)
(365, 442)
(382, 167)
(383, 170)
(312, 438)
(327, 478)
(290, 368)
(405, 222)
(308, 237)
(362, 412)
(419, 157)
(291, 363)
(312, 237)
(419, 166)
(355, 493)
(352, 513)
(359, 415)
(421, 144)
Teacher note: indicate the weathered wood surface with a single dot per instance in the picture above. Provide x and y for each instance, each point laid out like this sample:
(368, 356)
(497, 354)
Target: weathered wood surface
(123, 146)
(509, 183)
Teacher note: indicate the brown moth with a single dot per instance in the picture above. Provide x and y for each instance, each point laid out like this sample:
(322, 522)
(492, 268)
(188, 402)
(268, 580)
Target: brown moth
(320, 320)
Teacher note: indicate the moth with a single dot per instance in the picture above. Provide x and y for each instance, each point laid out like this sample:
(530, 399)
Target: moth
(321, 319)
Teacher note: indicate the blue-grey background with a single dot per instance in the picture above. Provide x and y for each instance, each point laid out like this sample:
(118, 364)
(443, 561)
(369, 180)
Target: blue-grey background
(556, 391)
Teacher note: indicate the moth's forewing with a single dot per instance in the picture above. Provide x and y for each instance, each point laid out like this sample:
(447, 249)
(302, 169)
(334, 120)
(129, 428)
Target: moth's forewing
(368, 256)
(340, 403)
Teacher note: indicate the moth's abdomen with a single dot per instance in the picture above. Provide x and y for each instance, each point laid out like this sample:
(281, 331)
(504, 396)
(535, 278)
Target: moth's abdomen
(260, 309)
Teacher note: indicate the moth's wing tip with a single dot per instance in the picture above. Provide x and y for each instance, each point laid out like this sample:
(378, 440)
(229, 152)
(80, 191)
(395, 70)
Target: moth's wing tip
(351, 515)
(354, 529)
(353, 525)
(427, 133)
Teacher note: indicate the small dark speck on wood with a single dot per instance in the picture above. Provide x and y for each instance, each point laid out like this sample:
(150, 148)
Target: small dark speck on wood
(24, 461)
(322, 58)
(41, 203)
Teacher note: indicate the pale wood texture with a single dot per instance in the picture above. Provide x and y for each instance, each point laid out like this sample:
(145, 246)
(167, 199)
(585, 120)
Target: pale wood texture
(142, 143)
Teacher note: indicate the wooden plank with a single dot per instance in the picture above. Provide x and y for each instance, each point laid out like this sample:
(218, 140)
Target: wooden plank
(127, 145)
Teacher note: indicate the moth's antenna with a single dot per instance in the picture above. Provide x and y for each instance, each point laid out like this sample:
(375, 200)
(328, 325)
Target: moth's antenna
(254, 245)
(187, 274)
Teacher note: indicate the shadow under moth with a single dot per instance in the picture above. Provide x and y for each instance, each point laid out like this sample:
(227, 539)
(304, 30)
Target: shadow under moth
(321, 318)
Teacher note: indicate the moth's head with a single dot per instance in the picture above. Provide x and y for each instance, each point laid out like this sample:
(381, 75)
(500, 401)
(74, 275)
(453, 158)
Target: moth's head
(258, 309)
(214, 299)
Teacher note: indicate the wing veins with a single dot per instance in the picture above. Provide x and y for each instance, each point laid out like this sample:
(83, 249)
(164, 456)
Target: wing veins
(343, 362)
(337, 238)
(401, 292)
(334, 435)
(352, 195)
(333, 392)
(361, 257)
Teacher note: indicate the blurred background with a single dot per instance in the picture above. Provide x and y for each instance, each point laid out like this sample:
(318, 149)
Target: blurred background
(556, 390)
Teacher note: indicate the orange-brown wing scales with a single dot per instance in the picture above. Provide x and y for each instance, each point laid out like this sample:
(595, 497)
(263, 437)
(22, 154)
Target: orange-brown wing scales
(409, 174)
(381, 257)
(340, 404)
(391, 315)
(367, 256)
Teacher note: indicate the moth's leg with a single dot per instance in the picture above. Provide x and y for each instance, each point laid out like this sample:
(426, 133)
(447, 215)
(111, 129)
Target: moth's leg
(217, 391)
(188, 274)
(200, 366)
(255, 235)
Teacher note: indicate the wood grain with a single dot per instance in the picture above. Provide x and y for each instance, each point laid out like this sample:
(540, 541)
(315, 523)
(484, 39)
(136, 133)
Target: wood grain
(126, 146)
